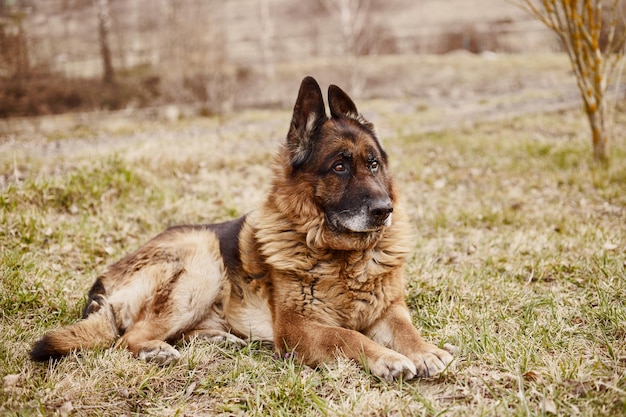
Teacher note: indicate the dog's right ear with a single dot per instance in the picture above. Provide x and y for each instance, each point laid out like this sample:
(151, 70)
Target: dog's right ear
(309, 114)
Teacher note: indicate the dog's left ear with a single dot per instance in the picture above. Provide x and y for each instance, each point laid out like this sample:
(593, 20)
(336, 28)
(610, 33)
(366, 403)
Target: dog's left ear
(340, 104)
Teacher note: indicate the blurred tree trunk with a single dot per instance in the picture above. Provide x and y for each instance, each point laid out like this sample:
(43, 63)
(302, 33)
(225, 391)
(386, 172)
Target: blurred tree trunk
(265, 38)
(599, 134)
(352, 19)
(14, 58)
(579, 26)
(104, 24)
(22, 60)
(353, 16)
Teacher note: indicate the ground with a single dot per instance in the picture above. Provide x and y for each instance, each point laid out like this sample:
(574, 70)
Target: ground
(519, 256)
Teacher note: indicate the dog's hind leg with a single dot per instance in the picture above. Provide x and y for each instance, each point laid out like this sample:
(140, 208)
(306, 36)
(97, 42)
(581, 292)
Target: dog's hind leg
(214, 329)
(219, 337)
(178, 294)
(145, 339)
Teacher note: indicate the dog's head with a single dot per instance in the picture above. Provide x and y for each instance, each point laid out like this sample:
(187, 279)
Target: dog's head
(340, 162)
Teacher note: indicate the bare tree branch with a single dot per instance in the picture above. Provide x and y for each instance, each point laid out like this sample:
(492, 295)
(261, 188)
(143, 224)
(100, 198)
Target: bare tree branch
(578, 24)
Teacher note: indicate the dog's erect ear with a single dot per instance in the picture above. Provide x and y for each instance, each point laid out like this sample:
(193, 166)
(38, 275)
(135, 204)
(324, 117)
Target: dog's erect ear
(340, 104)
(309, 114)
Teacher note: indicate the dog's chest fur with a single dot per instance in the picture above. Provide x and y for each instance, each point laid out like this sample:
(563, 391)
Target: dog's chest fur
(348, 289)
(342, 290)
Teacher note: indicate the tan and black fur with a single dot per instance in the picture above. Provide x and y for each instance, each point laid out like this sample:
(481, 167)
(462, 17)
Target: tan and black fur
(316, 270)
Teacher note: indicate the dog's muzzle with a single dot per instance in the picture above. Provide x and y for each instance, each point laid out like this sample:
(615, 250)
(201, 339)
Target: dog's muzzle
(373, 217)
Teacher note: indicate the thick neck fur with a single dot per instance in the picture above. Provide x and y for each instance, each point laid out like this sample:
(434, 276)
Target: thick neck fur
(308, 243)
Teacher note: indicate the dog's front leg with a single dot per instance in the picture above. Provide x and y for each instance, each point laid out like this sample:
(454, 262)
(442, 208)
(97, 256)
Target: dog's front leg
(395, 330)
(315, 343)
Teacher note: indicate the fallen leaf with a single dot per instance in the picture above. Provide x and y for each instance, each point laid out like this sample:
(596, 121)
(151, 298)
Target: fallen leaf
(66, 409)
(190, 389)
(609, 246)
(533, 376)
(10, 380)
(123, 392)
(549, 406)
(439, 184)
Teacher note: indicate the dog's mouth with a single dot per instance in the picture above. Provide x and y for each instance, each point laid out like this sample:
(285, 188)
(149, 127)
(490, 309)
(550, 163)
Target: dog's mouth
(346, 223)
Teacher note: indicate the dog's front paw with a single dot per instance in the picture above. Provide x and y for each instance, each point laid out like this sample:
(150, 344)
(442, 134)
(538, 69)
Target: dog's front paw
(431, 360)
(392, 365)
(158, 352)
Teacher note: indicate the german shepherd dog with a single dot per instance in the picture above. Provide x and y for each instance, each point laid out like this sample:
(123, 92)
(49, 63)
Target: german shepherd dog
(316, 271)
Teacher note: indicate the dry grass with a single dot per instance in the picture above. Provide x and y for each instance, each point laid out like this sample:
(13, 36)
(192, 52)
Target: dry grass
(519, 261)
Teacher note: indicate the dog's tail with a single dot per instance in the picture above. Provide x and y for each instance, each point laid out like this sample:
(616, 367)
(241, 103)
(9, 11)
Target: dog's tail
(97, 329)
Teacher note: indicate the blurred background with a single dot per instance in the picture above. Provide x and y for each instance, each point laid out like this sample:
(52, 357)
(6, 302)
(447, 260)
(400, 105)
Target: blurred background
(212, 56)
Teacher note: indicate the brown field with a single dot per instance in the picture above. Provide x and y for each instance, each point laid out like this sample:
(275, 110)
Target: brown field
(519, 262)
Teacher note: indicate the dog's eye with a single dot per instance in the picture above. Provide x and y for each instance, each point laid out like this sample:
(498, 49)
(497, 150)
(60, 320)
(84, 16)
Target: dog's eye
(374, 166)
(339, 167)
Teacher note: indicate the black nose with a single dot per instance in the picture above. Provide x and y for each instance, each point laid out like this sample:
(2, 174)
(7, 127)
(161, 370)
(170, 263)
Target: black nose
(381, 209)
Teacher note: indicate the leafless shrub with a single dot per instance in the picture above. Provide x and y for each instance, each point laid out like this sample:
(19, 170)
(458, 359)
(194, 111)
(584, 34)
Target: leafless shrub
(104, 26)
(579, 26)
(473, 38)
(360, 35)
(195, 64)
(43, 94)
(466, 38)
(14, 60)
(613, 26)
